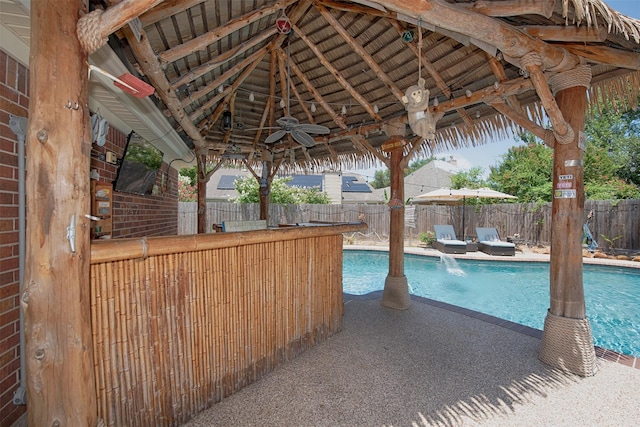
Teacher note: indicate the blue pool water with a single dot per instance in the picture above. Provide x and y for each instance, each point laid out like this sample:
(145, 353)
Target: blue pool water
(515, 291)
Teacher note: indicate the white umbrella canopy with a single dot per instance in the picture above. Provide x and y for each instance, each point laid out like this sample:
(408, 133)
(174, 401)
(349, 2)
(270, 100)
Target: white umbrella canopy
(452, 196)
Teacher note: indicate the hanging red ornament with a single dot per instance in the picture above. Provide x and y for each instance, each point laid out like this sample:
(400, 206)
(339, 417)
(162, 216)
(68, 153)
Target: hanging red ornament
(283, 25)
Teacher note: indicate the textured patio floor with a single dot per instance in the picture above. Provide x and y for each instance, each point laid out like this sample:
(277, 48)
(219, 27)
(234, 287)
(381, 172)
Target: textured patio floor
(428, 366)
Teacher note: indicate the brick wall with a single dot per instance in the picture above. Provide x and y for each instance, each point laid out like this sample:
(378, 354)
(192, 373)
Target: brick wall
(14, 99)
(134, 216)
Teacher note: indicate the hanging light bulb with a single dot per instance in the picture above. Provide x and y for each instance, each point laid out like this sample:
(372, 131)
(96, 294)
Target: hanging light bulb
(344, 110)
(282, 104)
(375, 108)
(435, 102)
(220, 89)
(251, 97)
(313, 107)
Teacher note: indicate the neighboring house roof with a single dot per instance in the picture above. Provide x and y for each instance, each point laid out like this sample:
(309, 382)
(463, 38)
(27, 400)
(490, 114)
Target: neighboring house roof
(435, 174)
(221, 185)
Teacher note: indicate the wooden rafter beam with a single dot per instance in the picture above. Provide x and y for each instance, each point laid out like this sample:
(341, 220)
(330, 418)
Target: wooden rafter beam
(336, 74)
(357, 48)
(166, 8)
(316, 95)
(605, 55)
(497, 90)
(367, 147)
(416, 143)
(214, 85)
(487, 95)
(201, 42)
(153, 70)
(338, 120)
(501, 75)
(229, 90)
(513, 42)
(567, 33)
(521, 120)
(561, 128)
(263, 119)
(353, 8)
(222, 59)
(513, 7)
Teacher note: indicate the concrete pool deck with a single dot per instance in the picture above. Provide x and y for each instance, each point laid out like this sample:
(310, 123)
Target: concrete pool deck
(430, 365)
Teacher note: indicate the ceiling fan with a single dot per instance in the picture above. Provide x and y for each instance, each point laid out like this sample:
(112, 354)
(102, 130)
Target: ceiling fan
(291, 125)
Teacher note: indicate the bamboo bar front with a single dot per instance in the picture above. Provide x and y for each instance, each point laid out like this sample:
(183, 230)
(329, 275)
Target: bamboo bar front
(181, 322)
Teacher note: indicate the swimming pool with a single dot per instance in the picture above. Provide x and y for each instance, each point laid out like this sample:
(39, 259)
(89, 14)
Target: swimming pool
(515, 291)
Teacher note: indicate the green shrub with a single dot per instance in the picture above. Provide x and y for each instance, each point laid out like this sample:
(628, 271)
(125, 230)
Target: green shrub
(428, 237)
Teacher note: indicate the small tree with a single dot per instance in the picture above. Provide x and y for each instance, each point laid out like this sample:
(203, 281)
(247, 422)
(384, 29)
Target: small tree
(281, 193)
(469, 179)
(186, 191)
(526, 171)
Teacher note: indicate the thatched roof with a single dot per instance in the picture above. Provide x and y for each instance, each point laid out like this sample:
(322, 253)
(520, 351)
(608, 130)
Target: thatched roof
(349, 66)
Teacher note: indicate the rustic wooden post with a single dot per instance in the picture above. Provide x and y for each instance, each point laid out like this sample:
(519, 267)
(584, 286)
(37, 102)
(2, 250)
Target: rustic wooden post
(201, 173)
(567, 342)
(396, 288)
(60, 379)
(265, 187)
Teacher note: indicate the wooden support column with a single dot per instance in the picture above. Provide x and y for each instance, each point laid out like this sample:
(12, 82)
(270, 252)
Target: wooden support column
(61, 389)
(204, 176)
(567, 341)
(265, 190)
(201, 173)
(396, 288)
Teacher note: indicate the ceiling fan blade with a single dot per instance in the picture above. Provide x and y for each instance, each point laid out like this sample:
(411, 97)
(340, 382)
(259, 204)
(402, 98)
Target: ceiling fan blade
(303, 138)
(311, 128)
(262, 128)
(275, 136)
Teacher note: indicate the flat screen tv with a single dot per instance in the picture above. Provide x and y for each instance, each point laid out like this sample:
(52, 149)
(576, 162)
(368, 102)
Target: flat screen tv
(139, 166)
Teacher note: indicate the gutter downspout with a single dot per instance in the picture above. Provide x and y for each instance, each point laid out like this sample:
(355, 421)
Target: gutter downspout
(19, 126)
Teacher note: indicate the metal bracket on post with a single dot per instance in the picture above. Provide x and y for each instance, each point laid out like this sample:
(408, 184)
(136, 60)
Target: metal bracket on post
(18, 125)
(71, 234)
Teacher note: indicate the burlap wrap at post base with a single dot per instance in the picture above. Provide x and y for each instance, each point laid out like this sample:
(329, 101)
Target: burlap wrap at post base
(396, 293)
(567, 344)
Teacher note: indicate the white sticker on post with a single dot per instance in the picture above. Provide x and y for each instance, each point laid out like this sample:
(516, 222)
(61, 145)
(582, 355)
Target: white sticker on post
(577, 162)
(565, 194)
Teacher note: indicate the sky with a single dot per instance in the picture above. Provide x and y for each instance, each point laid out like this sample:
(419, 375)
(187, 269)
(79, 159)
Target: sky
(491, 152)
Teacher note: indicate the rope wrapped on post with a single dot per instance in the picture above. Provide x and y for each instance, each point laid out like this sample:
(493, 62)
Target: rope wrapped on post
(88, 31)
(567, 344)
(578, 76)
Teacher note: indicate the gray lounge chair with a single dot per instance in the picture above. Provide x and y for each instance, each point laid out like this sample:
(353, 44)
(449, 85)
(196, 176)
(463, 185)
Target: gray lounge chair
(447, 242)
(490, 243)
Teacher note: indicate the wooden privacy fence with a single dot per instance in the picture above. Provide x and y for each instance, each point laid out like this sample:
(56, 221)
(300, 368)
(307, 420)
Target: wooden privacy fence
(616, 221)
(181, 322)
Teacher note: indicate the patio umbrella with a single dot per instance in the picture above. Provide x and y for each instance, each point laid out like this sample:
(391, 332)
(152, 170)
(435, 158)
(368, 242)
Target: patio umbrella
(450, 196)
